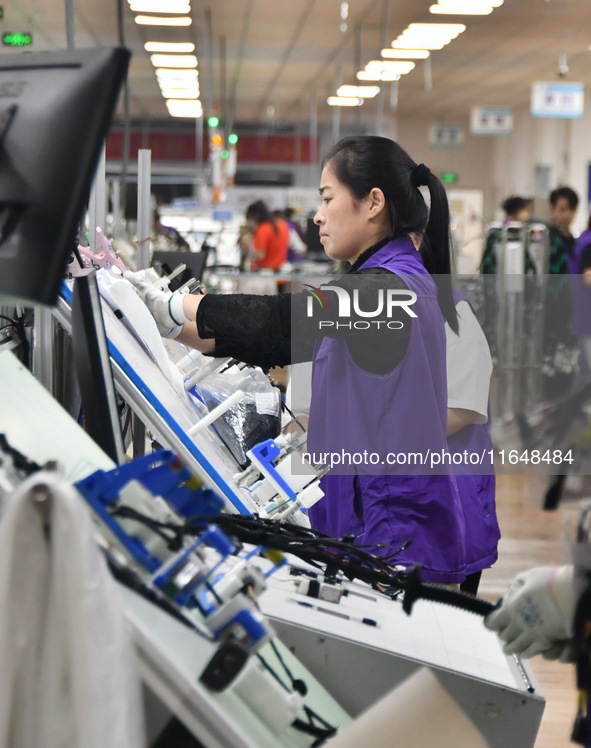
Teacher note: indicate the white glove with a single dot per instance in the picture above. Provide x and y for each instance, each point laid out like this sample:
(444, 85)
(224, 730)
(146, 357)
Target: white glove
(165, 307)
(536, 614)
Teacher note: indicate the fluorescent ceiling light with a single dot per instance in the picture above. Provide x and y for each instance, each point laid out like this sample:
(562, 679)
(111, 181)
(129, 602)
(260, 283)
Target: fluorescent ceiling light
(182, 108)
(182, 7)
(344, 101)
(491, 3)
(377, 75)
(361, 92)
(176, 81)
(401, 67)
(428, 35)
(405, 54)
(163, 21)
(174, 61)
(178, 47)
(176, 73)
(465, 8)
(179, 93)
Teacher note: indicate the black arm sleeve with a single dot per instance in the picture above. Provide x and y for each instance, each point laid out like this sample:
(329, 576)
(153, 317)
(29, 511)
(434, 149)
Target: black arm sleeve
(278, 330)
(252, 328)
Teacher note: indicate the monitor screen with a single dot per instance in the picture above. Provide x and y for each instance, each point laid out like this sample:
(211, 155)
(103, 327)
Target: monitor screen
(93, 368)
(55, 110)
(195, 262)
(315, 248)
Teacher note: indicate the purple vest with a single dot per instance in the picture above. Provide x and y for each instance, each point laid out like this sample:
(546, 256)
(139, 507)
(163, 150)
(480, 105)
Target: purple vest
(402, 412)
(477, 493)
(581, 296)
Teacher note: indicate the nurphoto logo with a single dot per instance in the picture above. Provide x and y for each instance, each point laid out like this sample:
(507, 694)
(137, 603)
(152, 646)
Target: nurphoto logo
(348, 307)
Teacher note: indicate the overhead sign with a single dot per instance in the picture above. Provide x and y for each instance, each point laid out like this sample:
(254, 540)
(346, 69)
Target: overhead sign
(446, 136)
(560, 100)
(489, 120)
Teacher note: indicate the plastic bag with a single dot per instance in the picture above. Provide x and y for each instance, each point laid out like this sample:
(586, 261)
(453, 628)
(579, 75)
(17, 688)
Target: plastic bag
(255, 418)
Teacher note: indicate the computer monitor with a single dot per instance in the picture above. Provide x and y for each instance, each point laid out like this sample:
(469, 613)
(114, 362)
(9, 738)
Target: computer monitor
(195, 262)
(93, 368)
(315, 247)
(55, 110)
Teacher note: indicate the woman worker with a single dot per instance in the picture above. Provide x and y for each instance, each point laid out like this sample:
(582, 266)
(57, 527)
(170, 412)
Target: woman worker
(376, 388)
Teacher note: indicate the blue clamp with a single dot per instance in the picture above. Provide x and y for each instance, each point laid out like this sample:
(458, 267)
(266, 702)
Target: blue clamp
(266, 453)
(251, 626)
(161, 473)
(215, 538)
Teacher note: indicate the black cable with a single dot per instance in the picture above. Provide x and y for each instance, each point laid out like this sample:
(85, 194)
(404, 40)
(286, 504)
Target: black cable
(127, 512)
(299, 685)
(337, 554)
(311, 547)
(20, 461)
(321, 734)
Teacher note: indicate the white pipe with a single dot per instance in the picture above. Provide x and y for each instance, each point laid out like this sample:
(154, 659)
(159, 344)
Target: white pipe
(214, 414)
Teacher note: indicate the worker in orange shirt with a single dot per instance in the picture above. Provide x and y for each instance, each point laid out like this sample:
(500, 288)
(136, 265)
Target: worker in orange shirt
(270, 239)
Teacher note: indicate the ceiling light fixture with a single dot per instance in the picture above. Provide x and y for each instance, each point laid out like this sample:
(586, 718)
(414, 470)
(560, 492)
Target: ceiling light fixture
(428, 35)
(179, 93)
(163, 21)
(344, 16)
(174, 61)
(462, 8)
(182, 108)
(178, 47)
(176, 73)
(402, 67)
(376, 75)
(491, 3)
(172, 81)
(181, 84)
(182, 7)
(361, 92)
(344, 101)
(405, 54)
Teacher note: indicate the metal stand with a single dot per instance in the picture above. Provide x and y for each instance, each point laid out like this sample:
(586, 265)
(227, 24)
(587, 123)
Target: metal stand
(520, 290)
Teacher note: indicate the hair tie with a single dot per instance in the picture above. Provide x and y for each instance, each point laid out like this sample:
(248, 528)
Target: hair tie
(420, 175)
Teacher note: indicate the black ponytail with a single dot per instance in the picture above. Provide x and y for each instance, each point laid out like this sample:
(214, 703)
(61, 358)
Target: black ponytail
(438, 262)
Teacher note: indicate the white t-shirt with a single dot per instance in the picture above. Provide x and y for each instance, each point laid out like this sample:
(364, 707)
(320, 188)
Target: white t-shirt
(469, 365)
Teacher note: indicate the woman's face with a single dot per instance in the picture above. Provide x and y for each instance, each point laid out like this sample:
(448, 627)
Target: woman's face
(346, 228)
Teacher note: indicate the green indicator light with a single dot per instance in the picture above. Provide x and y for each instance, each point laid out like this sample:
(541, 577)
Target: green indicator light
(232, 138)
(213, 121)
(14, 39)
(225, 153)
(449, 177)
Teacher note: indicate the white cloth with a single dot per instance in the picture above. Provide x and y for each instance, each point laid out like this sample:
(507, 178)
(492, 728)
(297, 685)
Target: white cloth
(67, 661)
(299, 389)
(469, 364)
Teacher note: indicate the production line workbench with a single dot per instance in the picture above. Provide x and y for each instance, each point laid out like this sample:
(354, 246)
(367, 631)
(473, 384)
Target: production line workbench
(349, 652)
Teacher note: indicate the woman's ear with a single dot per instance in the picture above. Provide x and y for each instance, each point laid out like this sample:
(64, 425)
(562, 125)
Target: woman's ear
(377, 201)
